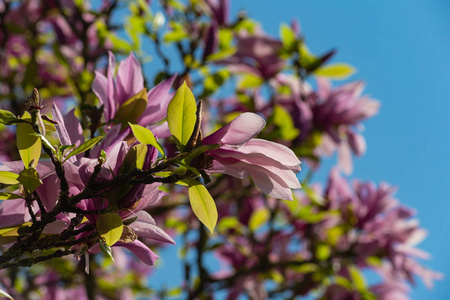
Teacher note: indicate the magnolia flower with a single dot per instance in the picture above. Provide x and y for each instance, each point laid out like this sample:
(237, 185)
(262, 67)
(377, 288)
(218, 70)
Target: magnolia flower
(113, 91)
(257, 54)
(335, 113)
(272, 166)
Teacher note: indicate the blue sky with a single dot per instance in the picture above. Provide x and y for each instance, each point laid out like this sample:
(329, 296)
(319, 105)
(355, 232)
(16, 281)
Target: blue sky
(400, 49)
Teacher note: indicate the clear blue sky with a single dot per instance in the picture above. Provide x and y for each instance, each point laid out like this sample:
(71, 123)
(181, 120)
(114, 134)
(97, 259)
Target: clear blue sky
(400, 49)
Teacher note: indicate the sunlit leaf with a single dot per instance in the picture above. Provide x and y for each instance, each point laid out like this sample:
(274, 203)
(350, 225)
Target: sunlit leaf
(45, 141)
(110, 227)
(282, 118)
(9, 196)
(145, 136)
(8, 177)
(258, 218)
(323, 252)
(181, 115)
(336, 71)
(84, 147)
(106, 249)
(287, 36)
(135, 158)
(222, 54)
(250, 81)
(30, 180)
(12, 230)
(176, 34)
(203, 205)
(357, 278)
(133, 108)
(29, 145)
(6, 117)
(227, 223)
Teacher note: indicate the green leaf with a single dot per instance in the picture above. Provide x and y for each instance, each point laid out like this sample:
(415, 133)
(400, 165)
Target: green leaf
(200, 150)
(8, 177)
(5, 294)
(135, 158)
(203, 205)
(133, 108)
(226, 223)
(9, 196)
(110, 227)
(177, 34)
(221, 54)
(30, 180)
(119, 43)
(181, 115)
(45, 141)
(336, 71)
(258, 218)
(250, 81)
(287, 36)
(84, 147)
(283, 119)
(145, 136)
(106, 249)
(323, 252)
(29, 145)
(305, 268)
(6, 117)
(357, 278)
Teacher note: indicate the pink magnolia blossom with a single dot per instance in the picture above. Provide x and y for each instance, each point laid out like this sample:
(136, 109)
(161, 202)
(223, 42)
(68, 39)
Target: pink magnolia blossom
(257, 54)
(272, 166)
(113, 90)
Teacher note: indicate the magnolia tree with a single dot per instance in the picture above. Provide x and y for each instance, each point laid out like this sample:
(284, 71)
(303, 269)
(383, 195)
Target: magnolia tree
(102, 167)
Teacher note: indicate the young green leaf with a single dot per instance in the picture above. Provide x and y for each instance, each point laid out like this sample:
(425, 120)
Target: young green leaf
(6, 117)
(8, 177)
(258, 218)
(135, 158)
(145, 136)
(250, 81)
(84, 147)
(29, 145)
(287, 36)
(106, 249)
(181, 115)
(9, 196)
(45, 141)
(133, 108)
(336, 71)
(203, 204)
(110, 227)
(30, 180)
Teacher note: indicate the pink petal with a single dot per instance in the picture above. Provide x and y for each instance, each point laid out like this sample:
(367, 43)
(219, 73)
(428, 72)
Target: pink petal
(139, 249)
(356, 142)
(152, 195)
(111, 90)
(99, 86)
(61, 130)
(13, 212)
(275, 151)
(239, 131)
(145, 227)
(73, 128)
(129, 78)
(158, 101)
(270, 183)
